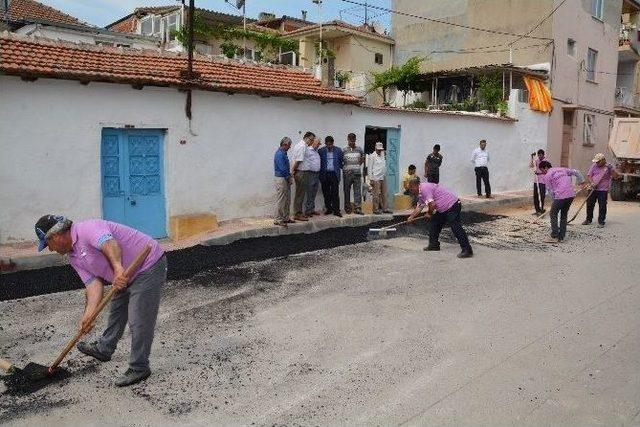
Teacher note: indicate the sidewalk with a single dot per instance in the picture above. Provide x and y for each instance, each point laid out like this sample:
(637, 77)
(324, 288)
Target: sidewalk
(25, 256)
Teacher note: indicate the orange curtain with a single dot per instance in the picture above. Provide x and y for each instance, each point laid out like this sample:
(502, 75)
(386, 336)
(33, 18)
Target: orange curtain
(539, 95)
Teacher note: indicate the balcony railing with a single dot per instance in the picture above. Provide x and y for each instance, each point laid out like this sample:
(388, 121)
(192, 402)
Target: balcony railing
(629, 36)
(627, 98)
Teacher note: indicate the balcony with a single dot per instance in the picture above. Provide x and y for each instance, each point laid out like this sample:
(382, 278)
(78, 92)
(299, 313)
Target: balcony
(627, 99)
(628, 43)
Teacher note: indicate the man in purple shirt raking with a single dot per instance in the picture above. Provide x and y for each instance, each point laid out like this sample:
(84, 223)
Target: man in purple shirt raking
(442, 207)
(99, 251)
(599, 178)
(560, 185)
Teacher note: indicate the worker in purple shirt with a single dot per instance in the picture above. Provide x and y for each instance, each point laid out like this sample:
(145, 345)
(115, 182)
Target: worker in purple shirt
(599, 178)
(442, 207)
(560, 185)
(99, 251)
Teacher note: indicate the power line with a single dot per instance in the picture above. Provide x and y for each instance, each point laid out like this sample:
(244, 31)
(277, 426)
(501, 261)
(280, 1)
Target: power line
(539, 23)
(440, 21)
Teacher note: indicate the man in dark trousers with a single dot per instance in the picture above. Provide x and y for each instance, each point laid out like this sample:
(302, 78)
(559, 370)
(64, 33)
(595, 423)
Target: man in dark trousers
(432, 165)
(480, 160)
(443, 207)
(539, 188)
(330, 170)
(599, 176)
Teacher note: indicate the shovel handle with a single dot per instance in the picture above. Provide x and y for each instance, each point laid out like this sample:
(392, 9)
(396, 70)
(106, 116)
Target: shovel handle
(402, 223)
(128, 272)
(5, 365)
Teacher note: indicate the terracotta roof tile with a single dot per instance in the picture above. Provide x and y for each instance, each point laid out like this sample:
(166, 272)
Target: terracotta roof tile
(35, 58)
(29, 10)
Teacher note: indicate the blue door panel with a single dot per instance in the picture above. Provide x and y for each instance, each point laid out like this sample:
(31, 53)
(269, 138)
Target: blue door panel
(393, 155)
(132, 179)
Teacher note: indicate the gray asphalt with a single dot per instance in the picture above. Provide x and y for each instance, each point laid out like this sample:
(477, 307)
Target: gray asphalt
(377, 333)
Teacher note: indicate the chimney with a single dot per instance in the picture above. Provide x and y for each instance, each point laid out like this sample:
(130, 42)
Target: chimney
(304, 15)
(266, 16)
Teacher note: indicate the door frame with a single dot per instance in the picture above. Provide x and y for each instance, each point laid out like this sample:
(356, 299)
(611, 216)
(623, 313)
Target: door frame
(122, 132)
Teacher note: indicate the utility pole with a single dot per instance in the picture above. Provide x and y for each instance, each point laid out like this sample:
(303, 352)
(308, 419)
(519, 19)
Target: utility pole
(366, 13)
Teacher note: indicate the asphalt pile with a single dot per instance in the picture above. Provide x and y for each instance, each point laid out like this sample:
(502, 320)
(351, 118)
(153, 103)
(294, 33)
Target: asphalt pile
(184, 263)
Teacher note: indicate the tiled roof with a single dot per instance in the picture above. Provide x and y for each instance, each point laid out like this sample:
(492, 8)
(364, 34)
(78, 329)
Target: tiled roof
(29, 58)
(26, 10)
(368, 30)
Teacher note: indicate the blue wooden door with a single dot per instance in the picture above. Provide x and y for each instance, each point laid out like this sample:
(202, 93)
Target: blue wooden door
(393, 155)
(132, 179)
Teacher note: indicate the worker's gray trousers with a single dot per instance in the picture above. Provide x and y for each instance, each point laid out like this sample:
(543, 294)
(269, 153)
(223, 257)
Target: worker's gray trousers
(138, 305)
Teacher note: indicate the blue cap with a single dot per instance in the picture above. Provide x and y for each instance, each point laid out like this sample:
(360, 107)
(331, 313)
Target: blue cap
(43, 225)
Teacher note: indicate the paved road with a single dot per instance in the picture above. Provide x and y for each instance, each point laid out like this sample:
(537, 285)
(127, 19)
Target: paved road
(377, 333)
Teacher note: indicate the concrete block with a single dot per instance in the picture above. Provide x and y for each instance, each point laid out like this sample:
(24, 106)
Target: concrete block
(183, 226)
(401, 202)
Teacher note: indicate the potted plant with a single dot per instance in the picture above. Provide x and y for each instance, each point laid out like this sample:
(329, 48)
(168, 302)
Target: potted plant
(342, 78)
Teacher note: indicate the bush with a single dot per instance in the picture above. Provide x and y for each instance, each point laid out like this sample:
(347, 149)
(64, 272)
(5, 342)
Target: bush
(418, 104)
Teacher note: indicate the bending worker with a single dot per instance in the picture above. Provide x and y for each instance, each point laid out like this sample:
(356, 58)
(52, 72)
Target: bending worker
(99, 251)
(442, 207)
(560, 185)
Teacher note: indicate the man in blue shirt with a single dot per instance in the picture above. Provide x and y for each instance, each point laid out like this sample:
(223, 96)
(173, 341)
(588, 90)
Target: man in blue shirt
(282, 172)
(330, 169)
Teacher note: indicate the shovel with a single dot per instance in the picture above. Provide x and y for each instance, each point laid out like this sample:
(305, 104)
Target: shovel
(388, 231)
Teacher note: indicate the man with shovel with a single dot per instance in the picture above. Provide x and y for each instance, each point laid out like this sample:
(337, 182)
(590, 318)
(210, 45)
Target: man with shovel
(442, 207)
(99, 251)
(599, 178)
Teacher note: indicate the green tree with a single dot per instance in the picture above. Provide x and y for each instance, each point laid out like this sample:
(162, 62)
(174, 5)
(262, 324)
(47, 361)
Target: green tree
(490, 90)
(405, 78)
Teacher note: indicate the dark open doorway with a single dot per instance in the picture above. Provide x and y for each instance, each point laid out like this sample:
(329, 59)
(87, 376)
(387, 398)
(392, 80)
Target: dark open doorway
(373, 135)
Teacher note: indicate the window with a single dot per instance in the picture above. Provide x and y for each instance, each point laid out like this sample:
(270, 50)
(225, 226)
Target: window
(588, 135)
(171, 25)
(571, 47)
(150, 26)
(592, 59)
(378, 58)
(146, 27)
(596, 9)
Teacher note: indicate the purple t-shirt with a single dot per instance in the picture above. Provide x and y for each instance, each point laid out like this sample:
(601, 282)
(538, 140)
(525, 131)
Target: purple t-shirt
(89, 261)
(601, 176)
(559, 182)
(444, 199)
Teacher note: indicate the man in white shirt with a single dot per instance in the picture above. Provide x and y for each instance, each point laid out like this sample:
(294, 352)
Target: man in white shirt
(376, 171)
(311, 164)
(300, 175)
(480, 160)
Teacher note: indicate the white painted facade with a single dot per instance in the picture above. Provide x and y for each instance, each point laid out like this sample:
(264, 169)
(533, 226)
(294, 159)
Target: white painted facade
(51, 133)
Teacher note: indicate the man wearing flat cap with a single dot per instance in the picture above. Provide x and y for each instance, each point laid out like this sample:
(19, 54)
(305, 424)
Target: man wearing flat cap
(599, 177)
(99, 251)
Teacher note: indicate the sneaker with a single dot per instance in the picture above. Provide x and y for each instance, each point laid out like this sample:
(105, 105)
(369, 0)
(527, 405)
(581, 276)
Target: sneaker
(377, 212)
(601, 225)
(551, 240)
(465, 254)
(290, 221)
(300, 218)
(431, 248)
(586, 222)
(280, 223)
(91, 349)
(132, 377)
(387, 211)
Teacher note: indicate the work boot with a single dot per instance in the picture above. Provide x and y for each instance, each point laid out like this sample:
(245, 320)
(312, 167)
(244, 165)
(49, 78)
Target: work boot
(586, 222)
(132, 377)
(465, 254)
(431, 248)
(601, 225)
(92, 350)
